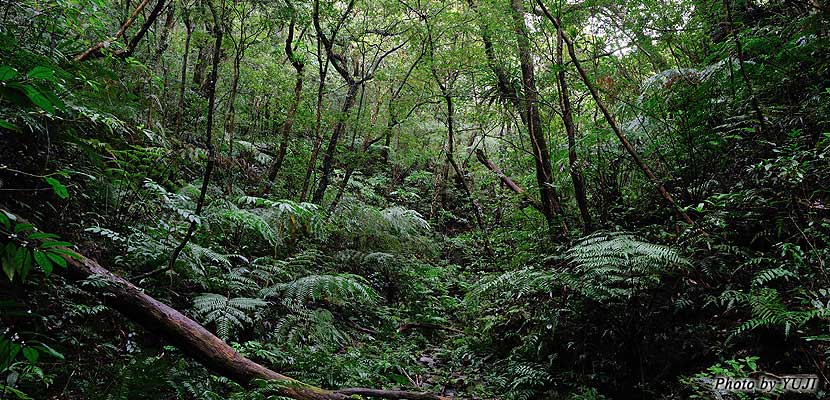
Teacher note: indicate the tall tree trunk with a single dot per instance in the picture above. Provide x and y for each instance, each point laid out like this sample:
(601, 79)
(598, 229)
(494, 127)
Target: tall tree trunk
(570, 129)
(544, 176)
(299, 67)
(323, 67)
(230, 122)
(331, 148)
(459, 173)
(340, 64)
(164, 38)
(200, 67)
(211, 161)
(183, 84)
(610, 119)
(507, 90)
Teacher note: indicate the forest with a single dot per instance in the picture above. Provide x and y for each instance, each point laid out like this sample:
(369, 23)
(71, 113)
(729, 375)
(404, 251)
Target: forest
(413, 199)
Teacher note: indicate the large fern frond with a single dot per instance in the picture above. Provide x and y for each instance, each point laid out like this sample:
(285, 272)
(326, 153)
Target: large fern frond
(226, 313)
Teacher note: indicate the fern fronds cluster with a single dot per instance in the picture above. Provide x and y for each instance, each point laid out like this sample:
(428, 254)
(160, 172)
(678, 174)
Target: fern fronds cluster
(226, 313)
(341, 289)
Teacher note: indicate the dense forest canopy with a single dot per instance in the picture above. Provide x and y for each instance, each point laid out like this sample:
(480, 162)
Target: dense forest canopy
(412, 199)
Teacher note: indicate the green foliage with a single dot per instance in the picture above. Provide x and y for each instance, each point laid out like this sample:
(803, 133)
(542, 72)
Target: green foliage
(335, 289)
(227, 314)
(420, 267)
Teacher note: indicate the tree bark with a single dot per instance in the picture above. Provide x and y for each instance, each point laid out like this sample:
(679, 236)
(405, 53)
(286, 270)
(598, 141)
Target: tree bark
(570, 129)
(507, 181)
(148, 22)
(180, 108)
(507, 90)
(610, 119)
(211, 161)
(331, 148)
(340, 65)
(323, 67)
(299, 67)
(164, 39)
(544, 175)
(95, 50)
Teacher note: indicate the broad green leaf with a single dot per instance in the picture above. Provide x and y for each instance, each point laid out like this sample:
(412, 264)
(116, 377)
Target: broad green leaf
(39, 99)
(23, 227)
(26, 265)
(20, 395)
(58, 187)
(42, 235)
(65, 252)
(7, 73)
(56, 243)
(41, 72)
(8, 125)
(8, 267)
(31, 354)
(48, 350)
(43, 261)
(4, 220)
(57, 259)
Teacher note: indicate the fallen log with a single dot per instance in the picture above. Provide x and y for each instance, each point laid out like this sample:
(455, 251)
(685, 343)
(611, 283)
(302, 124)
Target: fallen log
(197, 342)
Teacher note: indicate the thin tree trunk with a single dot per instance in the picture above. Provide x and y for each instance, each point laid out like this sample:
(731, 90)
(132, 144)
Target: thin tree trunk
(570, 128)
(211, 154)
(507, 91)
(164, 39)
(299, 67)
(323, 67)
(328, 155)
(230, 122)
(544, 176)
(180, 108)
(459, 173)
(610, 119)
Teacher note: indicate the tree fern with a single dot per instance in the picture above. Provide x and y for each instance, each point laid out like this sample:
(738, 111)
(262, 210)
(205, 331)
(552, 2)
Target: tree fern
(616, 265)
(336, 289)
(289, 219)
(606, 266)
(305, 326)
(226, 313)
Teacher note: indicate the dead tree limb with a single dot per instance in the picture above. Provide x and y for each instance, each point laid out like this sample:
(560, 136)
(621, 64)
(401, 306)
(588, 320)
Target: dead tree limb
(95, 50)
(507, 181)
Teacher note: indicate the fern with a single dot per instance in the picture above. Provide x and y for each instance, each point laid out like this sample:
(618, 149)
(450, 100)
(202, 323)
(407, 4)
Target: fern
(615, 265)
(771, 274)
(769, 311)
(304, 326)
(336, 289)
(226, 313)
(289, 219)
(607, 266)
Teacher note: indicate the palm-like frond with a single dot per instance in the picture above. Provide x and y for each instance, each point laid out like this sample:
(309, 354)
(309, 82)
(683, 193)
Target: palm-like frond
(226, 313)
(336, 289)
